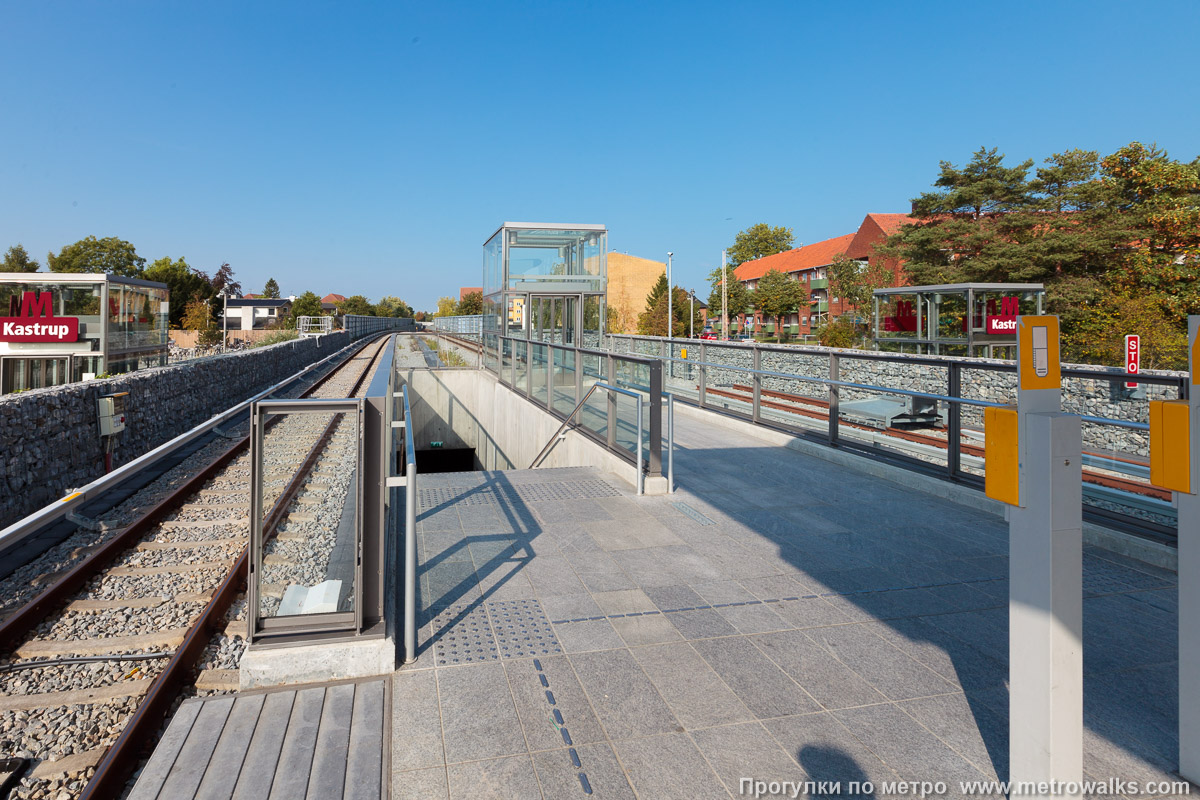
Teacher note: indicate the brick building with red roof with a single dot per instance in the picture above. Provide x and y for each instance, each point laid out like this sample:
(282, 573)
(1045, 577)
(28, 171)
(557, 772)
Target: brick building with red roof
(809, 264)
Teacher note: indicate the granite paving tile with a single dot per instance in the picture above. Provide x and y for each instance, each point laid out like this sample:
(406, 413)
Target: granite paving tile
(746, 751)
(559, 776)
(696, 694)
(668, 767)
(478, 716)
(885, 667)
(494, 779)
(623, 697)
(830, 682)
(765, 689)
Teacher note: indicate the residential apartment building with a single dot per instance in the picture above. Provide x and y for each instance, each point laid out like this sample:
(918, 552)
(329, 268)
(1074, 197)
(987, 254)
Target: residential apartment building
(810, 264)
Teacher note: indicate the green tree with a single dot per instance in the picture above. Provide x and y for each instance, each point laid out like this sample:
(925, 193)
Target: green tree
(446, 307)
(223, 279)
(17, 260)
(271, 290)
(971, 228)
(184, 283)
(841, 332)
(392, 307)
(653, 321)
(776, 295)
(357, 305)
(759, 241)
(112, 255)
(855, 282)
(195, 316)
(306, 305)
(740, 297)
(470, 304)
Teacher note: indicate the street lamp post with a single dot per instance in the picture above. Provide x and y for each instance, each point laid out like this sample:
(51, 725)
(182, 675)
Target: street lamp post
(724, 300)
(225, 320)
(670, 298)
(692, 316)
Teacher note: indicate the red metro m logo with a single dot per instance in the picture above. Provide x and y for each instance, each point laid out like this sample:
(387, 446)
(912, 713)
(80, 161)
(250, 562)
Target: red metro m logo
(35, 322)
(1006, 320)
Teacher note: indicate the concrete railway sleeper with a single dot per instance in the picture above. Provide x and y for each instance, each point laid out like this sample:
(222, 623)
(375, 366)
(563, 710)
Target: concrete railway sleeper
(99, 658)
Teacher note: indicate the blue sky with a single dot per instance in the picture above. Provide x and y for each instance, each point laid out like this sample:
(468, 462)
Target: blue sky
(371, 148)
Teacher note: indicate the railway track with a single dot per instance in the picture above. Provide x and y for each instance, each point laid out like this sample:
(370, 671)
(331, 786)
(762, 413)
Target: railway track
(816, 409)
(153, 611)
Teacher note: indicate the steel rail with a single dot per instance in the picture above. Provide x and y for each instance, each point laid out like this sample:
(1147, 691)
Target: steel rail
(119, 761)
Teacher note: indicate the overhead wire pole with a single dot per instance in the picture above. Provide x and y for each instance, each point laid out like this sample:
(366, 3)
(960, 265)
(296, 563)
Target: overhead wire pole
(724, 300)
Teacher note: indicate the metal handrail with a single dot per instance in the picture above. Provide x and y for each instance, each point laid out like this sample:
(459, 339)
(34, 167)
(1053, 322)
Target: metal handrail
(670, 441)
(995, 365)
(966, 401)
(608, 387)
(58, 509)
(410, 535)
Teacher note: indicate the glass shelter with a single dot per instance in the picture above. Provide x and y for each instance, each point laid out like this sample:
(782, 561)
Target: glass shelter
(960, 319)
(545, 282)
(59, 328)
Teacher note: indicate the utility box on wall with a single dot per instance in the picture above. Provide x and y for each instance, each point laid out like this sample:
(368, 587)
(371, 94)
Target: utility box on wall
(112, 413)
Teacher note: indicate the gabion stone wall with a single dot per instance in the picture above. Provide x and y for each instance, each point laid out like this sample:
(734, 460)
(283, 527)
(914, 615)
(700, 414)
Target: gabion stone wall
(1098, 397)
(50, 438)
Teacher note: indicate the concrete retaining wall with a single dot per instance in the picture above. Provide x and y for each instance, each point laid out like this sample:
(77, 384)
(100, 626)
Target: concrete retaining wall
(50, 441)
(470, 408)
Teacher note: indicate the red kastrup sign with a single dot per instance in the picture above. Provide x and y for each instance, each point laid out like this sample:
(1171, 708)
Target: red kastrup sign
(36, 322)
(1006, 320)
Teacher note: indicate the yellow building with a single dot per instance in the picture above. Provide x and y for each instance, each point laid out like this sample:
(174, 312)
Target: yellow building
(630, 279)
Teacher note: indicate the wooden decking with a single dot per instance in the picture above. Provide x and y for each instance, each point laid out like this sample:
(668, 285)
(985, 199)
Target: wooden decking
(323, 742)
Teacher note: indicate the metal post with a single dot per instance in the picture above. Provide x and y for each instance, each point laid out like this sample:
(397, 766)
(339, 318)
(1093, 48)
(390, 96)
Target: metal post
(578, 376)
(671, 443)
(225, 321)
(641, 481)
(410, 556)
(724, 299)
(1045, 570)
(954, 422)
(834, 371)
(756, 382)
(703, 373)
(692, 316)
(1188, 574)
(612, 403)
(655, 444)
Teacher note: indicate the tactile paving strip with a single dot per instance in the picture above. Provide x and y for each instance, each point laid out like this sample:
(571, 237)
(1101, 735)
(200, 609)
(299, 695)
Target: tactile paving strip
(564, 490)
(463, 635)
(471, 633)
(521, 493)
(522, 629)
(463, 496)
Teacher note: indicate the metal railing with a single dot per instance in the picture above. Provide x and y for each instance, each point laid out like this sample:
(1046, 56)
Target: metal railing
(358, 325)
(559, 378)
(1124, 499)
(467, 324)
(558, 433)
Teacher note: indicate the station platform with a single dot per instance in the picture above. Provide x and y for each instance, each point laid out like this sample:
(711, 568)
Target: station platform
(779, 618)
